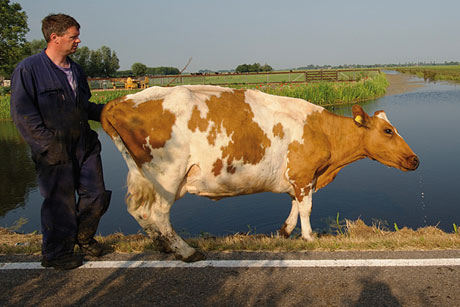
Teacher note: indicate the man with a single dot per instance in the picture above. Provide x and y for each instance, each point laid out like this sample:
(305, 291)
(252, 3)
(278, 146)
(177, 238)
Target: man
(50, 107)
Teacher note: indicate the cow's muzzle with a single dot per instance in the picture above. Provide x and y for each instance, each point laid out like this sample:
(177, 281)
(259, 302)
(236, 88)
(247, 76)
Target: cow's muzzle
(413, 162)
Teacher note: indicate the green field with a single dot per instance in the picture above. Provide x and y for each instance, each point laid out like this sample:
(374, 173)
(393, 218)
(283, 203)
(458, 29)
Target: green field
(233, 80)
(370, 85)
(433, 73)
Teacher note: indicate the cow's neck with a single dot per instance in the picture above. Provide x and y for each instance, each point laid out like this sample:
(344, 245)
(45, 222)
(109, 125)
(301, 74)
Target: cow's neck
(346, 145)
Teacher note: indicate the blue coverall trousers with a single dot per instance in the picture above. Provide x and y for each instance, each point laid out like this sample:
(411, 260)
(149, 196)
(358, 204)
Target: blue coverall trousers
(66, 221)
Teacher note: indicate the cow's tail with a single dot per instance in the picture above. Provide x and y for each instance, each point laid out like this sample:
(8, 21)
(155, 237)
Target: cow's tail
(141, 191)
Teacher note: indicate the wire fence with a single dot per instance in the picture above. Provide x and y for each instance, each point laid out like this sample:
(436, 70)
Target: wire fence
(236, 79)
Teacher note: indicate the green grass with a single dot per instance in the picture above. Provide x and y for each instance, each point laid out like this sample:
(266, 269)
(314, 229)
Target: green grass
(370, 86)
(332, 93)
(433, 73)
(5, 107)
(106, 96)
(238, 80)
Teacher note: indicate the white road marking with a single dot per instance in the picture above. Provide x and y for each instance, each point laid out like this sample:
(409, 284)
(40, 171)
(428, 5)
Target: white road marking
(249, 264)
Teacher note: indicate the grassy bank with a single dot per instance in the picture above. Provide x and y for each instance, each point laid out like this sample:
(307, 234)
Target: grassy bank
(322, 93)
(332, 93)
(353, 236)
(433, 73)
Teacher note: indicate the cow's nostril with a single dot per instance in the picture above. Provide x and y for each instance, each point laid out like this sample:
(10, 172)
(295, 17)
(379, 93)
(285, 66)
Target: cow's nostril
(416, 161)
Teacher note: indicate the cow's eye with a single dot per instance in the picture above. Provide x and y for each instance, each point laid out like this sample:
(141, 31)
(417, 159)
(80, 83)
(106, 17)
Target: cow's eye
(389, 131)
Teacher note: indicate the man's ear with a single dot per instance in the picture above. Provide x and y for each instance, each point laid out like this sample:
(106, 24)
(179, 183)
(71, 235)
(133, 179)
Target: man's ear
(360, 117)
(54, 37)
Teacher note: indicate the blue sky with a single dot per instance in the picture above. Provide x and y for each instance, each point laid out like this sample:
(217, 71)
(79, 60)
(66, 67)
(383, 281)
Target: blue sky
(285, 34)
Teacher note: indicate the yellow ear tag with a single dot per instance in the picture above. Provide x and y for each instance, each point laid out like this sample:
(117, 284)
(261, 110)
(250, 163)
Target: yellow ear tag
(359, 119)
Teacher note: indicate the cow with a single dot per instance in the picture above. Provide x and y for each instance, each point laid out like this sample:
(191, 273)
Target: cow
(220, 142)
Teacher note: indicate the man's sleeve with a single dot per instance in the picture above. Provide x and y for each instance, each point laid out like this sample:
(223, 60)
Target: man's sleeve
(25, 113)
(94, 110)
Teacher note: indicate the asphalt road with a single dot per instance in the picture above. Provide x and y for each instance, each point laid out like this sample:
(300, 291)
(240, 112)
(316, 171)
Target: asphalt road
(210, 286)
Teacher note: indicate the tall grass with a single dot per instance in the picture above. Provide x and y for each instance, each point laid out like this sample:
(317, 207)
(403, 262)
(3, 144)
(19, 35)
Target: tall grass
(332, 93)
(5, 107)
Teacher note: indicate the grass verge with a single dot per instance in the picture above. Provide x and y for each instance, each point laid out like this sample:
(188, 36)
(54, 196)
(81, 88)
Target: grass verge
(355, 236)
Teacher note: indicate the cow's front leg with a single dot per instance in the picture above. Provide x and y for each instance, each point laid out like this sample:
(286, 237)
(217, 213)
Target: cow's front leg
(304, 211)
(291, 221)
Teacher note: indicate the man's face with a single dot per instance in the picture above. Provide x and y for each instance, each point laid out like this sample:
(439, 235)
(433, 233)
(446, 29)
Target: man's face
(68, 43)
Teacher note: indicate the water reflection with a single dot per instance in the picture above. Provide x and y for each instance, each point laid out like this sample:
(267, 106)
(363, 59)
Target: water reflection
(17, 172)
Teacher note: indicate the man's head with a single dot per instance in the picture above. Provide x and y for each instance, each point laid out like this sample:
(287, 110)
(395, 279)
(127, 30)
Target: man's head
(58, 24)
(62, 32)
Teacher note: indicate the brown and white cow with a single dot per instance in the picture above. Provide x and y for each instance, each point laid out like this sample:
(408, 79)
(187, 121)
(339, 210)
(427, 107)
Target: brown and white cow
(220, 142)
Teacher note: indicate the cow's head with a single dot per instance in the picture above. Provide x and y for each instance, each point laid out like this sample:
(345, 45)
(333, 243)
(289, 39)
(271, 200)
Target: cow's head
(382, 141)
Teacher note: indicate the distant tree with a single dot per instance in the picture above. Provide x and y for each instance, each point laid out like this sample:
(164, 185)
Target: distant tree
(35, 46)
(97, 63)
(266, 67)
(242, 68)
(162, 71)
(139, 69)
(123, 73)
(81, 56)
(13, 28)
(110, 62)
(256, 67)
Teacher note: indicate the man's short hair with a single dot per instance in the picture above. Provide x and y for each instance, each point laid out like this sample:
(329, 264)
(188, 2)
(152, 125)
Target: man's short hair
(57, 23)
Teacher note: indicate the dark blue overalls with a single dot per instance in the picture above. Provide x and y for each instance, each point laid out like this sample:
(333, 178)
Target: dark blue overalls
(54, 122)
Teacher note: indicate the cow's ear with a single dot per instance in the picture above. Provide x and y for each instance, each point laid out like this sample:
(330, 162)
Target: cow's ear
(382, 115)
(360, 117)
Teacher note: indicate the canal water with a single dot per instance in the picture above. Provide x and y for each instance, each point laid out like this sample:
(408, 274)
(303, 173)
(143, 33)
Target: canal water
(427, 118)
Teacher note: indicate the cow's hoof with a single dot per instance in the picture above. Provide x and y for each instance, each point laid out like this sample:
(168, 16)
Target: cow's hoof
(196, 256)
(283, 232)
(308, 238)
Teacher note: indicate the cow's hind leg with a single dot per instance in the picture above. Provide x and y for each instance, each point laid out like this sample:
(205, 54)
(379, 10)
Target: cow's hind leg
(151, 211)
(291, 221)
